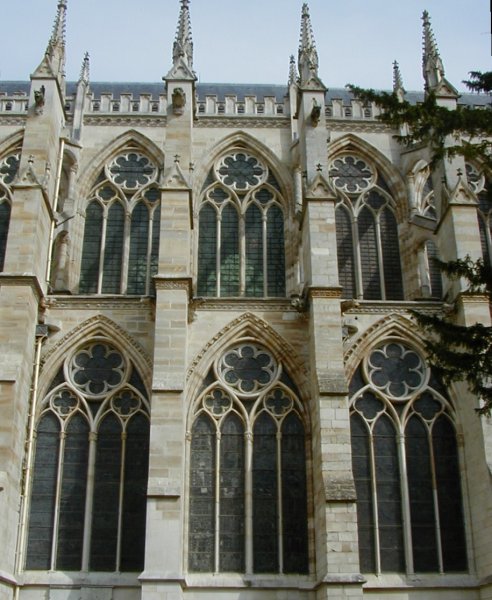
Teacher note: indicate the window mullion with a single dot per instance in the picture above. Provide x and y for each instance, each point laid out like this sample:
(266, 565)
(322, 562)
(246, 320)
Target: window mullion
(219, 252)
(375, 504)
(56, 517)
(359, 286)
(120, 500)
(217, 502)
(242, 254)
(436, 502)
(89, 501)
(279, 503)
(265, 255)
(405, 497)
(103, 249)
(248, 507)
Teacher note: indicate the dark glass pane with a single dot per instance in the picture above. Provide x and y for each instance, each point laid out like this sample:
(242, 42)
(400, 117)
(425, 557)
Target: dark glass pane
(275, 252)
(421, 497)
(265, 496)
(361, 465)
(135, 494)
(391, 255)
(231, 538)
(345, 252)
(113, 250)
(4, 230)
(137, 260)
(91, 250)
(43, 495)
(154, 253)
(369, 255)
(207, 252)
(294, 496)
(229, 252)
(482, 224)
(106, 496)
(202, 496)
(254, 252)
(449, 496)
(389, 497)
(73, 492)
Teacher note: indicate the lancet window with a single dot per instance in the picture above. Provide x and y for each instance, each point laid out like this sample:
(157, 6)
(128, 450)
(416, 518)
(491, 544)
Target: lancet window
(122, 222)
(9, 166)
(478, 183)
(248, 483)
(241, 230)
(406, 466)
(88, 495)
(367, 234)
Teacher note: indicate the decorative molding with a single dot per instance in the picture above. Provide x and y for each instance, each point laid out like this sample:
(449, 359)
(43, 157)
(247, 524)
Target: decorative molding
(264, 122)
(328, 292)
(242, 304)
(128, 120)
(99, 303)
(385, 307)
(15, 120)
(358, 126)
(467, 298)
(173, 283)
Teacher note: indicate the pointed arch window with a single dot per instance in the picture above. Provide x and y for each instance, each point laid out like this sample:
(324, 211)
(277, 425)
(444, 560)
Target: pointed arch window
(369, 264)
(248, 483)
(406, 466)
(241, 230)
(88, 495)
(9, 167)
(478, 183)
(122, 222)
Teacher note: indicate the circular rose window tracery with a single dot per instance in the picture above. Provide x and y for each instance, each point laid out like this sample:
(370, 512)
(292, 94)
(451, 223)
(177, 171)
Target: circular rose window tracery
(131, 171)
(395, 370)
(97, 368)
(240, 171)
(351, 174)
(247, 368)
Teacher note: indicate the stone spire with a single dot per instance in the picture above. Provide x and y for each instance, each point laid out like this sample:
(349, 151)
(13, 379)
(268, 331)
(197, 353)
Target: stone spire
(292, 71)
(308, 55)
(85, 70)
(53, 63)
(398, 88)
(183, 44)
(432, 67)
(183, 47)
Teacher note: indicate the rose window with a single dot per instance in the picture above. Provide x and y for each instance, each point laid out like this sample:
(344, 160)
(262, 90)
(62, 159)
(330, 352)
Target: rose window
(131, 170)
(247, 368)
(97, 368)
(351, 174)
(395, 370)
(241, 171)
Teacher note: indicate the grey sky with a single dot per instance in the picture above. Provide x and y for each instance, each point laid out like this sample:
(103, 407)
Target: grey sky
(250, 41)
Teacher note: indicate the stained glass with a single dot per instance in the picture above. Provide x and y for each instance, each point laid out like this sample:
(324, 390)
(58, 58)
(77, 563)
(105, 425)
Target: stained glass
(4, 228)
(275, 252)
(91, 250)
(345, 252)
(207, 252)
(113, 250)
(229, 252)
(254, 252)
(137, 260)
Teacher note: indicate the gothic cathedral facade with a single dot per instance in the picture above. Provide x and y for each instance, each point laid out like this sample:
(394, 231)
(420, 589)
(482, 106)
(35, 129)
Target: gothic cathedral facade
(212, 383)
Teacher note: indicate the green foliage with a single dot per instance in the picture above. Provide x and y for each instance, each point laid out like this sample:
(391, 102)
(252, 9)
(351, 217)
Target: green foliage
(457, 352)
(479, 82)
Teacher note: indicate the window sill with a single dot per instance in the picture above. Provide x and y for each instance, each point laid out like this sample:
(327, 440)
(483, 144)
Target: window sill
(390, 581)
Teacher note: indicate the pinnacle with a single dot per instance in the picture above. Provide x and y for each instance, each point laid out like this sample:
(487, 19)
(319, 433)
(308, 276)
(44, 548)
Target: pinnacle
(397, 78)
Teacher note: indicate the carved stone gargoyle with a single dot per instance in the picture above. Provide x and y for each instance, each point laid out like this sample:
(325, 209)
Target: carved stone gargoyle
(179, 101)
(39, 99)
(315, 113)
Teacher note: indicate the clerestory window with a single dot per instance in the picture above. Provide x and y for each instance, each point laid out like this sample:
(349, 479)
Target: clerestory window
(406, 466)
(241, 230)
(369, 264)
(248, 484)
(88, 499)
(9, 166)
(122, 222)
